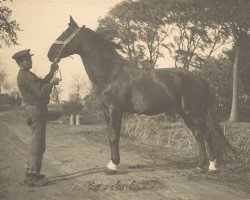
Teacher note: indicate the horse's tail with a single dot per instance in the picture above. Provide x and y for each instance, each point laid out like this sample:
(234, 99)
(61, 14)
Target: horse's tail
(220, 143)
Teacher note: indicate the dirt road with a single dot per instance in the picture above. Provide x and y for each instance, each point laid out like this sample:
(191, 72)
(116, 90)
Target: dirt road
(74, 164)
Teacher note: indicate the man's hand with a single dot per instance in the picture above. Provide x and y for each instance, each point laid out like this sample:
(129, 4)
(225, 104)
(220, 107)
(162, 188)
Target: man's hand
(54, 81)
(54, 66)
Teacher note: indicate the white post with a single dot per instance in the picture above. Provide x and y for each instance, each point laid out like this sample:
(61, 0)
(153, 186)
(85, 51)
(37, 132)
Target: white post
(71, 119)
(78, 119)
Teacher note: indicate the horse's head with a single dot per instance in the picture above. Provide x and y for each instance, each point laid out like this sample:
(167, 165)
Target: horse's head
(66, 44)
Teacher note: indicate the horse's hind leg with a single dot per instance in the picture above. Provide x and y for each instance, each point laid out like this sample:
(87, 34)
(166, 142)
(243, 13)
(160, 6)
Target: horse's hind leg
(211, 153)
(113, 118)
(198, 134)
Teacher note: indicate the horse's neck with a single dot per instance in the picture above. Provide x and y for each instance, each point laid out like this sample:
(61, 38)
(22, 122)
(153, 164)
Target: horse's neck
(99, 65)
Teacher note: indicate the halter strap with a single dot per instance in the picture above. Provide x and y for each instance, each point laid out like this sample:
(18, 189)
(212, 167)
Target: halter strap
(58, 42)
(69, 38)
(66, 41)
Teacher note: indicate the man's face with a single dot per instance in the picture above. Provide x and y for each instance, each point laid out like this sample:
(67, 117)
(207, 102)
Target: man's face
(26, 63)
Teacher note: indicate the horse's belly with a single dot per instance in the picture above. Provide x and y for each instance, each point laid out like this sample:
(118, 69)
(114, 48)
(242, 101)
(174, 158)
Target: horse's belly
(152, 104)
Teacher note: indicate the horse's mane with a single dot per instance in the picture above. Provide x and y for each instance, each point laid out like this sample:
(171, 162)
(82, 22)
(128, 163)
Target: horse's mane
(103, 42)
(107, 45)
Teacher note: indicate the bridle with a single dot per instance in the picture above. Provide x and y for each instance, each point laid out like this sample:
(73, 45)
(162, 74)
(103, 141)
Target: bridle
(65, 42)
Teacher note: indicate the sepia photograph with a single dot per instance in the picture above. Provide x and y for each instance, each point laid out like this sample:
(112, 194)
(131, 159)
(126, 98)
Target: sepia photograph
(124, 99)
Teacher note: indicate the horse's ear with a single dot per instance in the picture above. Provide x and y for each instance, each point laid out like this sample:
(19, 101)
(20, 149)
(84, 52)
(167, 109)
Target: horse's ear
(72, 22)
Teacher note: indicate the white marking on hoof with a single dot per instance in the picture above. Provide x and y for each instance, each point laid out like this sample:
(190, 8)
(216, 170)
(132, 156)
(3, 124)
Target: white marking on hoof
(212, 166)
(112, 166)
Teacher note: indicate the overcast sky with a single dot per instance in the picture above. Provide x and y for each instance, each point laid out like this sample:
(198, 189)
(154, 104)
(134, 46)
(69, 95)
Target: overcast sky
(42, 22)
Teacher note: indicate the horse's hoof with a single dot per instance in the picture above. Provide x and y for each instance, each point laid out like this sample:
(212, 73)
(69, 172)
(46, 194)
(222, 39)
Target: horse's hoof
(108, 171)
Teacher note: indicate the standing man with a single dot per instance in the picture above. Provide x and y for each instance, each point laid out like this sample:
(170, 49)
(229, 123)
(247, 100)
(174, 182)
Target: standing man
(35, 93)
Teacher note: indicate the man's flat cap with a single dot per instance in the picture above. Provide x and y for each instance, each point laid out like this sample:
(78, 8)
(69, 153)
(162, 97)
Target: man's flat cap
(22, 54)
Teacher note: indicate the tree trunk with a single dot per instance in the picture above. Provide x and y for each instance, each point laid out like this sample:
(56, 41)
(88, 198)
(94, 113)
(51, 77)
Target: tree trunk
(0, 97)
(234, 108)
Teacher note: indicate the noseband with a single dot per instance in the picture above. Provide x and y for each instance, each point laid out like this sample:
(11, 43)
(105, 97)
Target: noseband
(65, 42)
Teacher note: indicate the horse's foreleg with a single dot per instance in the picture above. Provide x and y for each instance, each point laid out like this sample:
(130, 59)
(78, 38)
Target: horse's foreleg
(114, 128)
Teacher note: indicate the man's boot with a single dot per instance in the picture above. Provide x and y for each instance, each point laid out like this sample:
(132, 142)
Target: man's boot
(31, 179)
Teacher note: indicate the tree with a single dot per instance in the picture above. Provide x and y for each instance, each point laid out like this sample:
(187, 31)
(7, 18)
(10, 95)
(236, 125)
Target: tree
(244, 63)
(3, 80)
(8, 27)
(79, 87)
(194, 37)
(71, 107)
(119, 28)
(91, 101)
(8, 37)
(7, 87)
(145, 29)
(152, 30)
(55, 94)
(137, 34)
(234, 17)
(218, 73)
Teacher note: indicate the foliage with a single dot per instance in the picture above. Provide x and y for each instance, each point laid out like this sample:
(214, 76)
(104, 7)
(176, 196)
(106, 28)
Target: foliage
(175, 142)
(244, 62)
(144, 30)
(2, 78)
(218, 74)
(10, 101)
(4, 84)
(71, 107)
(157, 131)
(234, 17)
(8, 27)
(195, 36)
(137, 34)
(192, 30)
(92, 102)
(75, 97)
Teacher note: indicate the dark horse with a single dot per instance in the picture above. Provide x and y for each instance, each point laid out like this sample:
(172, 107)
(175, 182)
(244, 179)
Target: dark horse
(122, 87)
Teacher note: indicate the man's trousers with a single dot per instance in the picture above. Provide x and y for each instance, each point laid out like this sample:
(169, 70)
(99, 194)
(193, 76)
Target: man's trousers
(36, 118)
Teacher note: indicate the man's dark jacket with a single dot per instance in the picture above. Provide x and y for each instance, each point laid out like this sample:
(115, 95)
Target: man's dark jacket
(35, 91)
